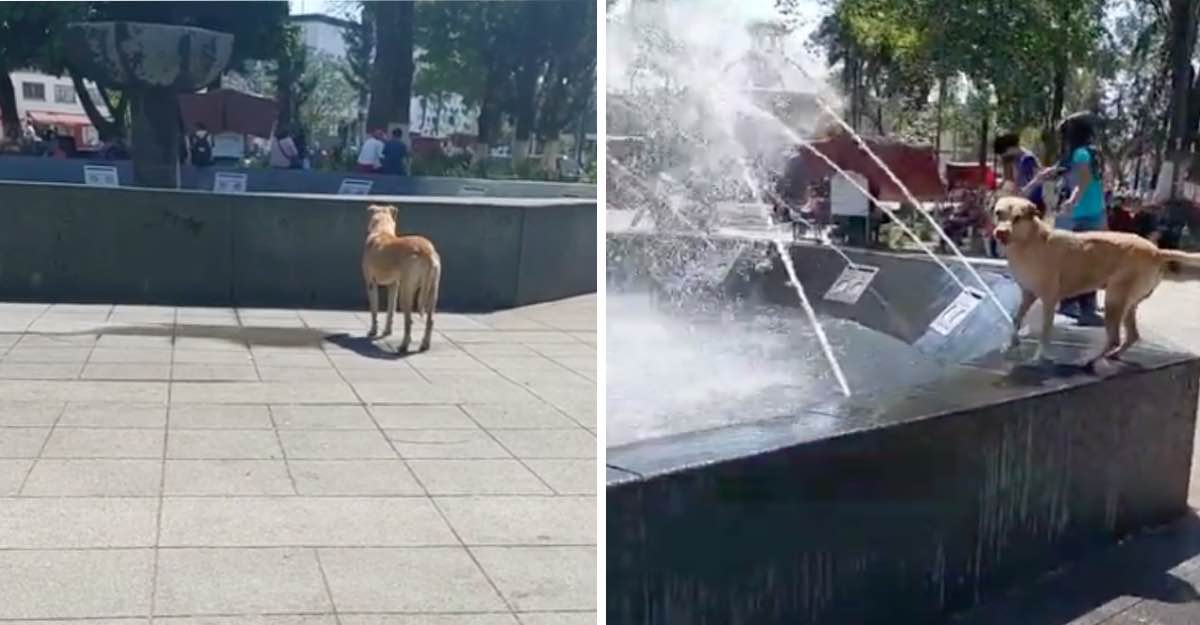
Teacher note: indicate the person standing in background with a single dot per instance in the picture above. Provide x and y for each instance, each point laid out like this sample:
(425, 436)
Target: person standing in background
(370, 157)
(395, 154)
(283, 150)
(1085, 200)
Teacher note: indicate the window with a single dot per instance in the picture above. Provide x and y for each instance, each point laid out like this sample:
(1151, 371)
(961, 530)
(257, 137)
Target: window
(33, 91)
(64, 94)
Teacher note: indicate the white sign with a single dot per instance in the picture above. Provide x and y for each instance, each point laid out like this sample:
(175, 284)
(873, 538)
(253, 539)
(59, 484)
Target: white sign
(355, 186)
(956, 312)
(100, 176)
(851, 284)
(469, 190)
(229, 182)
(845, 198)
(229, 145)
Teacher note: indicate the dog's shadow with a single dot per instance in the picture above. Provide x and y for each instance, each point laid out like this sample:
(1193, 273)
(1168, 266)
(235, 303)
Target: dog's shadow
(367, 347)
(1041, 373)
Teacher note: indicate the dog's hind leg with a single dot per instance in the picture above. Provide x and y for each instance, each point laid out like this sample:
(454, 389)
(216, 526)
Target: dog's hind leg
(407, 294)
(373, 299)
(1115, 310)
(428, 301)
(393, 290)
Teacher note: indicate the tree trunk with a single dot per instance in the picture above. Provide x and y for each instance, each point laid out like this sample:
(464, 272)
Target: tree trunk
(107, 129)
(10, 119)
(550, 151)
(937, 136)
(392, 71)
(983, 136)
(1183, 40)
(526, 108)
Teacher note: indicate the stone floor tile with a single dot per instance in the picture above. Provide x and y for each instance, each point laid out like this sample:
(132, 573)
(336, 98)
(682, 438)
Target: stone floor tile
(40, 370)
(422, 417)
(222, 444)
(542, 578)
(77, 523)
(557, 618)
(572, 443)
(114, 414)
(446, 444)
(221, 416)
(22, 442)
(233, 581)
(321, 417)
(353, 477)
(407, 580)
(187, 372)
(12, 474)
(99, 583)
(566, 476)
(335, 444)
(477, 477)
(94, 477)
(104, 443)
(227, 477)
(522, 520)
(30, 413)
(523, 415)
(301, 521)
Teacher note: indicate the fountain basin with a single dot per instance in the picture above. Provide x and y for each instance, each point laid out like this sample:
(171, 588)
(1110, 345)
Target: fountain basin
(950, 474)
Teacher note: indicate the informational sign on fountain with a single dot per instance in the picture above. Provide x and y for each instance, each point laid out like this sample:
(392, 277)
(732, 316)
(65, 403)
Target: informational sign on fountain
(957, 312)
(851, 284)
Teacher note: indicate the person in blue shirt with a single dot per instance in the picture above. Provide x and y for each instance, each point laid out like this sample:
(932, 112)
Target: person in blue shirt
(1082, 210)
(395, 154)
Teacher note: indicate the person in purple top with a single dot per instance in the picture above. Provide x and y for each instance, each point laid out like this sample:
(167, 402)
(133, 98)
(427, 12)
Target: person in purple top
(1020, 166)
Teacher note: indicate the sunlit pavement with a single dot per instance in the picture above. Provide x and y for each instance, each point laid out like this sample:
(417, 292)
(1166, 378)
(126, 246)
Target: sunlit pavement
(198, 462)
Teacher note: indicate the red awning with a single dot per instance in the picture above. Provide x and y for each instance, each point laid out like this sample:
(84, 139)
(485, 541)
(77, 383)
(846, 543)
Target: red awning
(48, 118)
(915, 166)
(226, 110)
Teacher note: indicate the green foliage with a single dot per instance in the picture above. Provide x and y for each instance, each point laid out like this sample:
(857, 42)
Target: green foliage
(29, 33)
(439, 164)
(332, 99)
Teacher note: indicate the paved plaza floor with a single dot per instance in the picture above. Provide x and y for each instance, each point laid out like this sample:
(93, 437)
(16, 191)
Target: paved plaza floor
(228, 466)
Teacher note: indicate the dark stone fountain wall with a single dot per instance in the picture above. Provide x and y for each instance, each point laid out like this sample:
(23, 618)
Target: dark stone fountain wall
(920, 502)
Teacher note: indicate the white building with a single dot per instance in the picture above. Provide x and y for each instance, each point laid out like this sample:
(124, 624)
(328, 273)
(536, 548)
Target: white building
(51, 102)
(322, 33)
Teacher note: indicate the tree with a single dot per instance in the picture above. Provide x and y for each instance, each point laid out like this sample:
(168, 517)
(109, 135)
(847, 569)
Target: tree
(293, 84)
(392, 69)
(570, 78)
(326, 106)
(360, 50)
(469, 50)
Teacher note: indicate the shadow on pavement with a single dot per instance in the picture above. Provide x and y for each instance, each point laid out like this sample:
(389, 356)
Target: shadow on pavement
(1160, 566)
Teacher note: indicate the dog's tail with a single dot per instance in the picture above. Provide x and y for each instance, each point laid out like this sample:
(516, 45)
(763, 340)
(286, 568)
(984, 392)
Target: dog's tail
(427, 296)
(1183, 258)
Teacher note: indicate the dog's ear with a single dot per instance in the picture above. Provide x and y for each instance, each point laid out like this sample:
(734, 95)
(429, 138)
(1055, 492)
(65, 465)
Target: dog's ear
(392, 211)
(374, 208)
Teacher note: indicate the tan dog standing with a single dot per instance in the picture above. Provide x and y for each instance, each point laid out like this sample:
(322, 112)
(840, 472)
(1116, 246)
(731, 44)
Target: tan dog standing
(1051, 265)
(408, 266)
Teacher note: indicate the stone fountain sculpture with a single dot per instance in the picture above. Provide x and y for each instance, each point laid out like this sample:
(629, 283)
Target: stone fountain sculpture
(154, 63)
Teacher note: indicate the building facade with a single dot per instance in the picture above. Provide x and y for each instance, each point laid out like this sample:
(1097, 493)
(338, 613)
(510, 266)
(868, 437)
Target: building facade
(50, 102)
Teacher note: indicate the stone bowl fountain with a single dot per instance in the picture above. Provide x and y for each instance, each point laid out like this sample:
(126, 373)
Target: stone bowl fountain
(153, 63)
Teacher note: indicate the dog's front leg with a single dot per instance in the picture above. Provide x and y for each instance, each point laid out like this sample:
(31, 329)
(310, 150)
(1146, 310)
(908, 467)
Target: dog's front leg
(373, 299)
(1027, 300)
(1049, 306)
